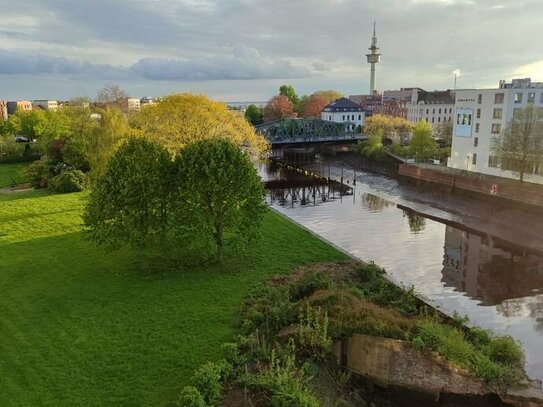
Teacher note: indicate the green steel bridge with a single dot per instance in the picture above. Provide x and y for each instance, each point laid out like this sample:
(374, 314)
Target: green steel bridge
(306, 131)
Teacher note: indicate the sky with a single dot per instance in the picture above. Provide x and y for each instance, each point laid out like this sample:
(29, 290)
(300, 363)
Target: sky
(243, 50)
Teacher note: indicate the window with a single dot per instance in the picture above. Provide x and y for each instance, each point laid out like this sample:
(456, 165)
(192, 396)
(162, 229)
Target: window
(480, 98)
(498, 98)
(531, 97)
(450, 118)
(477, 127)
(426, 120)
(450, 110)
(474, 159)
(352, 118)
(493, 161)
(497, 114)
(476, 142)
(439, 119)
(541, 98)
(518, 97)
(433, 120)
(478, 113)
(359, 117)
(439, 110)
(427, 111)
(343, 117)
(496, 128)
(433, 111)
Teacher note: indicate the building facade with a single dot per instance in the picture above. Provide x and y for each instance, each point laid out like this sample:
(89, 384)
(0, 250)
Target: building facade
(130, 104)
(436, 108)
(13, 106)
(45, 104)
(344, 111)
(3, 110)
(481, 115)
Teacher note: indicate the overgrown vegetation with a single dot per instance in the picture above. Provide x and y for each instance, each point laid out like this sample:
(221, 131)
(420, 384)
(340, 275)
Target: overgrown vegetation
(283, 356)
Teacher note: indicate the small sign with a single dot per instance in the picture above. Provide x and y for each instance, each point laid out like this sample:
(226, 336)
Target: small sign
(494, 189)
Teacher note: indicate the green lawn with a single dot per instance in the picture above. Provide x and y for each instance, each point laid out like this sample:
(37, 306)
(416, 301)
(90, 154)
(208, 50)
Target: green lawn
(10, 173)
(82, 327)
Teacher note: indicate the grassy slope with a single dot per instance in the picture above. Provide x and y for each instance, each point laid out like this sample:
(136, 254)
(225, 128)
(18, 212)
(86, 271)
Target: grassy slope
(83, 327)
(10, 173)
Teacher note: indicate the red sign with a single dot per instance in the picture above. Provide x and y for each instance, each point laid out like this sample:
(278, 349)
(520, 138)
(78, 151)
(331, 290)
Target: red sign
(494, 189)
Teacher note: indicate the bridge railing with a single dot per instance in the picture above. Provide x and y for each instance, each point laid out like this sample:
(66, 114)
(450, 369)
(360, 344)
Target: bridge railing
(306, 130)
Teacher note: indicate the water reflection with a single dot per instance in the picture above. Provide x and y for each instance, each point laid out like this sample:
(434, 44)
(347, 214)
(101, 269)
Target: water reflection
(416, 222)
(489, 271)
(374, 203)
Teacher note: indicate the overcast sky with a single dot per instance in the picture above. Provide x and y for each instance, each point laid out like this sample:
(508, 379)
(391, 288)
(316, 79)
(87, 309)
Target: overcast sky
(240, 50)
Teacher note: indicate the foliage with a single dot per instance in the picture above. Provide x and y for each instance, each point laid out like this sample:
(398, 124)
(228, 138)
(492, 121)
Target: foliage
(10, 151)
(43, 126)
(422, 145)
(180, 119)
(313, 331)
(101, 140)
(331, 95)
(278, 108)
(130, 204)
(285, 381)
(68, 181)
(505, 350)
(373, 147)
(444, 133)
(208, 379)
(388, 127)
(191, 397)
(38, 173)
(221, 194)
(308, 284)
(12, 174)
(520, 147)
(398, 149)
(254, 115)
(314, 105)
(290, 93)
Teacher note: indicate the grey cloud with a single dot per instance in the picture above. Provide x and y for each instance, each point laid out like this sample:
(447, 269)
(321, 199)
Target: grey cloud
(240, 63)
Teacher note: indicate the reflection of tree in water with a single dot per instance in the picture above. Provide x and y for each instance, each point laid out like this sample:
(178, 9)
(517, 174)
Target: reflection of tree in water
(510, 308)
(536, 312)
(514, 308)
(417, 223)
(373, 203)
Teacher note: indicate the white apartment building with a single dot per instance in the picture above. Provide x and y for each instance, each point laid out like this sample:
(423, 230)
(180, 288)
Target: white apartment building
(45, 104)
(435, 107)
(344, 111)
(130, 104)
(481, 115)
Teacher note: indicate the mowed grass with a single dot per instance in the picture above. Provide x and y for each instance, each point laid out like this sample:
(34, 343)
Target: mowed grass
(83, 327)
(11, 173)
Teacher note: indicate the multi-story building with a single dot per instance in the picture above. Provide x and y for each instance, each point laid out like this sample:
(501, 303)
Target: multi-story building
(3, 110)
(481, 115)
(148, 101)
(130, 104)
(18, 105)
(344, 111)
(45, 104)
(435, 107)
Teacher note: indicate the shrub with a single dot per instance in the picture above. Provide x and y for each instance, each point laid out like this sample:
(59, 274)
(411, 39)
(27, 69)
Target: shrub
(313, 332)
(208, 380)
(506, 350)
(308, 284)
(68, 181)
(191, 397)
(10, 151)
(38, 173)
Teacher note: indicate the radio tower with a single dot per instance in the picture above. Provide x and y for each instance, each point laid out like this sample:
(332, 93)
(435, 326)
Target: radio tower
(373, 58)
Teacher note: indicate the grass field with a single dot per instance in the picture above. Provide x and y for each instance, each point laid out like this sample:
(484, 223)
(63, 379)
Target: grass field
(10, 173)
(82, 327)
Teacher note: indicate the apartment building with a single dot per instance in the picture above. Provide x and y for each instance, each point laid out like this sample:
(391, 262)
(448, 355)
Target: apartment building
(45, 104)
(436, 107)
(481, 115)
(12, 106)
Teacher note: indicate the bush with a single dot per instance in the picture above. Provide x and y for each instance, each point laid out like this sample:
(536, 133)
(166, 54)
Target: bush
(38, 174)
(191, 397)
(10, 151)
(506, 350)
(68, 181)
(308, 284)
(208, 380)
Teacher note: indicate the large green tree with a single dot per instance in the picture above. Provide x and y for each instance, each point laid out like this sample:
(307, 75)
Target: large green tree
(520, 147)
(254, 115)
(290, 93)
(219, 192)
(422, 145)
(130, 203)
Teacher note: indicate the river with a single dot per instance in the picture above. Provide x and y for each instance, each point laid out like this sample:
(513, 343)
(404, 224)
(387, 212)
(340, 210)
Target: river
(497, 285)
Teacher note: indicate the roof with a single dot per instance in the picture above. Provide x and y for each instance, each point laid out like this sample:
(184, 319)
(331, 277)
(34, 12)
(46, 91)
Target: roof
(342, 105)
(443, 97)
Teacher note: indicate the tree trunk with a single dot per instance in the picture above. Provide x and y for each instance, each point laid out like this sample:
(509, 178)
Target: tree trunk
(522, 176)
(219, 242)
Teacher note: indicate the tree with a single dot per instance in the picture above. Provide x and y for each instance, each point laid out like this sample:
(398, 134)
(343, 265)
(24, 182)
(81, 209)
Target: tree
(373, 147)
(220, 193)
(422, 144)
(314, 105)
(444, 133)
(331, 95)
(290, 93)
(103, 139)
(111, 94)
(180, 119)
(391, 127)
(254, 115)
(130, 205)
(520, 147)
(278, 108)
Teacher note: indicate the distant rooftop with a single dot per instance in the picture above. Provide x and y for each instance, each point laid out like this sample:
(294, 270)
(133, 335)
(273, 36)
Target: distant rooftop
(343, 105)
(444, 97)
(525, 83)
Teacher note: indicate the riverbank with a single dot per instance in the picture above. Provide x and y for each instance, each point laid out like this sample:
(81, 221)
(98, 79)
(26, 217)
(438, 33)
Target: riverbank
(85, 327)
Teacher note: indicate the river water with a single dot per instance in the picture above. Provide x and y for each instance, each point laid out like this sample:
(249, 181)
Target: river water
(498, 285)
